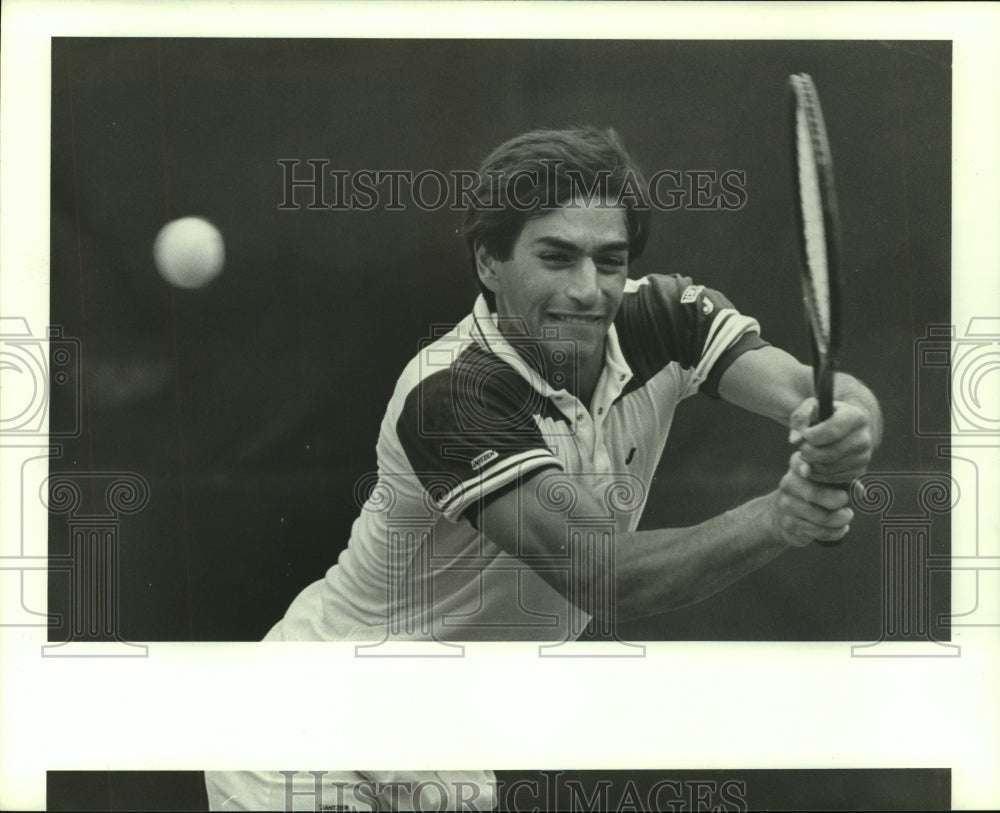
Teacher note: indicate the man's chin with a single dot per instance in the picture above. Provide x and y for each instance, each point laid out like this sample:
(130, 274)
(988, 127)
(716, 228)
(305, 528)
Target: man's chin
(578, 344)
(583, 330)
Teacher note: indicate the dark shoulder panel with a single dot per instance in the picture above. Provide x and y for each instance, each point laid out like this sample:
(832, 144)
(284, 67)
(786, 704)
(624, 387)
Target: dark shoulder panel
(666, 319)
(475, 419)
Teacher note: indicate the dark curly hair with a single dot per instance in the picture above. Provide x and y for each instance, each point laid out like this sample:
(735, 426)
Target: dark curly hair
(535, 172)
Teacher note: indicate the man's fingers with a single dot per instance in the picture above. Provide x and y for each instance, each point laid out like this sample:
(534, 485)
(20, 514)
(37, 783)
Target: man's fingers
(805, 510)
(845, 420)
(843, 471)
(858, 442)
(815, 515)
(831, 534)
(800, 533)
(841, 459)
(799, 482)
(800, 419)
(829, 465)
(813, 502)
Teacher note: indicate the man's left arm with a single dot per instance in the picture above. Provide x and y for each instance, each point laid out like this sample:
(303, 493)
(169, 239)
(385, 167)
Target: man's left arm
(770, 382)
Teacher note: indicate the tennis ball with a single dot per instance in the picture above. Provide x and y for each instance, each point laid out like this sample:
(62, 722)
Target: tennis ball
(189, 252)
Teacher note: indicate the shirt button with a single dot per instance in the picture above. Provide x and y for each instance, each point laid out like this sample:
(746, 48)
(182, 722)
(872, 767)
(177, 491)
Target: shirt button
(621, 377)
(579, 416)
(600, 411)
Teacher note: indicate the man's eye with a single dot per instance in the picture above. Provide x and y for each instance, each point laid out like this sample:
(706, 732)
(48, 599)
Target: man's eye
(612, 262)
(555, 257)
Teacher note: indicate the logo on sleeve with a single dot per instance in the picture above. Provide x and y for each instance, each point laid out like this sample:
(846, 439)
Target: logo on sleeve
(706, 306)
(691, 294)
(481, 460)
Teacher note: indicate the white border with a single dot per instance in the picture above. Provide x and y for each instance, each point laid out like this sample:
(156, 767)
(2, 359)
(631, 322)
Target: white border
(729, 705)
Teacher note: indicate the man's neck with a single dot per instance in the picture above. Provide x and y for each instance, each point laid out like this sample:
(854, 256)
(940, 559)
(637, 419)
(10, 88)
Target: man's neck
(588, 376)
(578, 377)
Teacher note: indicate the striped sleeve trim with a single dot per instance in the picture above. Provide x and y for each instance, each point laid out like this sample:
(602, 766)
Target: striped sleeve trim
(745, 343)
(494, 477)
(727, 327)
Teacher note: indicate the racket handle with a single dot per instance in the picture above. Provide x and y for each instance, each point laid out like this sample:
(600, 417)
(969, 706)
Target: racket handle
(832, 543)
(824, 395)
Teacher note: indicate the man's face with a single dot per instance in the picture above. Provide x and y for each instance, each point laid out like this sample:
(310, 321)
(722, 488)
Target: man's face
(567, 271)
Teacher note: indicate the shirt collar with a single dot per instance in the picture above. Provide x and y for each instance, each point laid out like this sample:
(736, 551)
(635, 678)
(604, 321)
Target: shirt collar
(486, 331)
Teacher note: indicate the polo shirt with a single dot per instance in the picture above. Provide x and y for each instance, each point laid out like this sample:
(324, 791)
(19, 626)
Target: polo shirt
(470, 417)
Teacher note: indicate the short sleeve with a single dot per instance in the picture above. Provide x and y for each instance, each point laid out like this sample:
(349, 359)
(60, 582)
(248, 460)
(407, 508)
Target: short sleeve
(669, 319)
(475, 421)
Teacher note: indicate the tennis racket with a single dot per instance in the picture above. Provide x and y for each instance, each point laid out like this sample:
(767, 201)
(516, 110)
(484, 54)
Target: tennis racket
(819, 237)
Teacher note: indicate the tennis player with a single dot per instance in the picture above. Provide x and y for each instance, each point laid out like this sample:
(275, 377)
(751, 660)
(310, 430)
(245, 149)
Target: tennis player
(551, 402)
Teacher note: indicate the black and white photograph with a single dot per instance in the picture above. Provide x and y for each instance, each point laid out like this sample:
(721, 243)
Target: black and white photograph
(270, 247)
(500, 408)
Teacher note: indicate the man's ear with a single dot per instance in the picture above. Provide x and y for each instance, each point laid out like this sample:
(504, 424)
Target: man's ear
(486, 267)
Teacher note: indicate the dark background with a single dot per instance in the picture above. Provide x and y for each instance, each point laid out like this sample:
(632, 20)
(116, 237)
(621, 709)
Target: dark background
(796, 790)
(252, 406)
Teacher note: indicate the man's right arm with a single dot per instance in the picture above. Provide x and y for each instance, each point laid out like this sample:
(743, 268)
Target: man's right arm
(656, 571)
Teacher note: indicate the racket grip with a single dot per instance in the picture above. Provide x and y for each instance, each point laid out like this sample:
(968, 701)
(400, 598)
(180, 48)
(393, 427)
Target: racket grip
(832, 543)
(824, 391)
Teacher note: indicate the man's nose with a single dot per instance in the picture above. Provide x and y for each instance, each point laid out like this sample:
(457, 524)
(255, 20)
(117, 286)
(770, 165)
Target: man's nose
(584, 288)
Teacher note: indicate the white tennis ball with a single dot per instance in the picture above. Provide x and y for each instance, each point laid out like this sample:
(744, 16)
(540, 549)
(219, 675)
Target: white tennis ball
(189, 252)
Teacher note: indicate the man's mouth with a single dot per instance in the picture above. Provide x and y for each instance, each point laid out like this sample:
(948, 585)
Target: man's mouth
(577, 318)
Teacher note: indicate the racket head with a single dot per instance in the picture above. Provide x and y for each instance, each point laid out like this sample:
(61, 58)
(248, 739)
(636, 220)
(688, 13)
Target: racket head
(818, 222)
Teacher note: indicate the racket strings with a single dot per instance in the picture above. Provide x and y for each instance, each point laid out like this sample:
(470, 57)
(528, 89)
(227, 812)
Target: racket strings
(810, 150)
